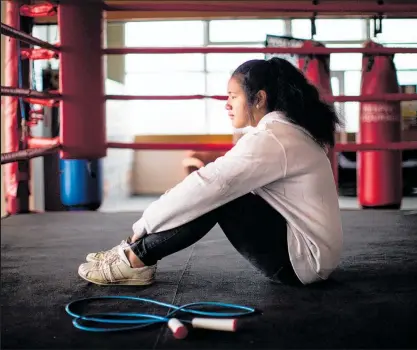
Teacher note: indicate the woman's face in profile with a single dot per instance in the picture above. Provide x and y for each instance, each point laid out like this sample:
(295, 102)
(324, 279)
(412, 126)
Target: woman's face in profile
(236, 105)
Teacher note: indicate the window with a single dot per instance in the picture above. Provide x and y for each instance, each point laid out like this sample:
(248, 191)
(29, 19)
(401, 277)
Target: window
(49, 34)
(352, 86)
(351, 117)
(336, 82)
(227, 62)
(407, 77)
(168, 117)
(165, 84)
(176, 74)
(301, 28)
(217, 83)
(53, 34)
(166, 63)
(329, 29)
(40, 32)
(396, 31)
(118, 121)
(405, 61)
(217, 120)
(250, 30)
(164, 33)
(345, 61)
(190, 74)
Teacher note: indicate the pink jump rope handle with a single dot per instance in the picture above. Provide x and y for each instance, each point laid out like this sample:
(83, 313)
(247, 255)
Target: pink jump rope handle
(178, 330)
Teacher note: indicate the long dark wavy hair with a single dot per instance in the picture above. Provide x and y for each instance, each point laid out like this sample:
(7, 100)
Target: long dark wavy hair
(289, 91)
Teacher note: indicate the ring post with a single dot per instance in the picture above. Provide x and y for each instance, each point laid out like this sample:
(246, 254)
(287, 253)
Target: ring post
(83, 121)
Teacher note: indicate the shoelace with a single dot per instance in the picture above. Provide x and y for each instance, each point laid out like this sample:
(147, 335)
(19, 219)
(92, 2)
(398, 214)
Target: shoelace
(105, 252)
(105, 265)
(110, 258)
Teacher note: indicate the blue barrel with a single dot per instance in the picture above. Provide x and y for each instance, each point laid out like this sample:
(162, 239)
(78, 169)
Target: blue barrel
(81, 184)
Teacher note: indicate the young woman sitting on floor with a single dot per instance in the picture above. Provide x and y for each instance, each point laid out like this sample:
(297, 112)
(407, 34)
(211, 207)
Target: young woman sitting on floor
(273, 194)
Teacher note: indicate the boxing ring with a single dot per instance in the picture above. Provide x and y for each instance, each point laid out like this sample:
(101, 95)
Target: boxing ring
(368, 303)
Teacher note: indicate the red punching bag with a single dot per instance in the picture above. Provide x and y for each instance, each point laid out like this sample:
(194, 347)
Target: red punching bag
(380, 172)
(316, 68)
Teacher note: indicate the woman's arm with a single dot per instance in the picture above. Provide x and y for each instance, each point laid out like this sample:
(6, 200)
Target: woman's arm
(256, 160)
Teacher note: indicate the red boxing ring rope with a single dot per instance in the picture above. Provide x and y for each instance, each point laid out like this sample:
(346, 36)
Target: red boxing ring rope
(36, 147)
(386, 146)
(258, 6)
(328, 98)
(42, 146)
(18, 92)
(26, 154)
(164, 98)
(339, 147)
(270, 50)
(170, 146)
(29, 39)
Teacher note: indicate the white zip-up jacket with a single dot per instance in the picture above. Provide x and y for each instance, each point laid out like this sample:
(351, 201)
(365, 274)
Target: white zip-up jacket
(281, 163)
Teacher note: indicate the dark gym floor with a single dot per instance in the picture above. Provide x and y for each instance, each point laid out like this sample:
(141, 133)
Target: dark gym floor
(370, 301)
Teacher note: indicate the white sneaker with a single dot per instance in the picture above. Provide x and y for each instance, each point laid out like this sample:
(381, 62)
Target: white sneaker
(102, 254)
(115, 269)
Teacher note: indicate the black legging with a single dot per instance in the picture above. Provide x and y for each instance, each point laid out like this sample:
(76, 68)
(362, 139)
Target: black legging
(255, 229)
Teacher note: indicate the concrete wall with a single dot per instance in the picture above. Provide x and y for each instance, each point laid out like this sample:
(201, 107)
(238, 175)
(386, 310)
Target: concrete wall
(156, 171)
(116, 63)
